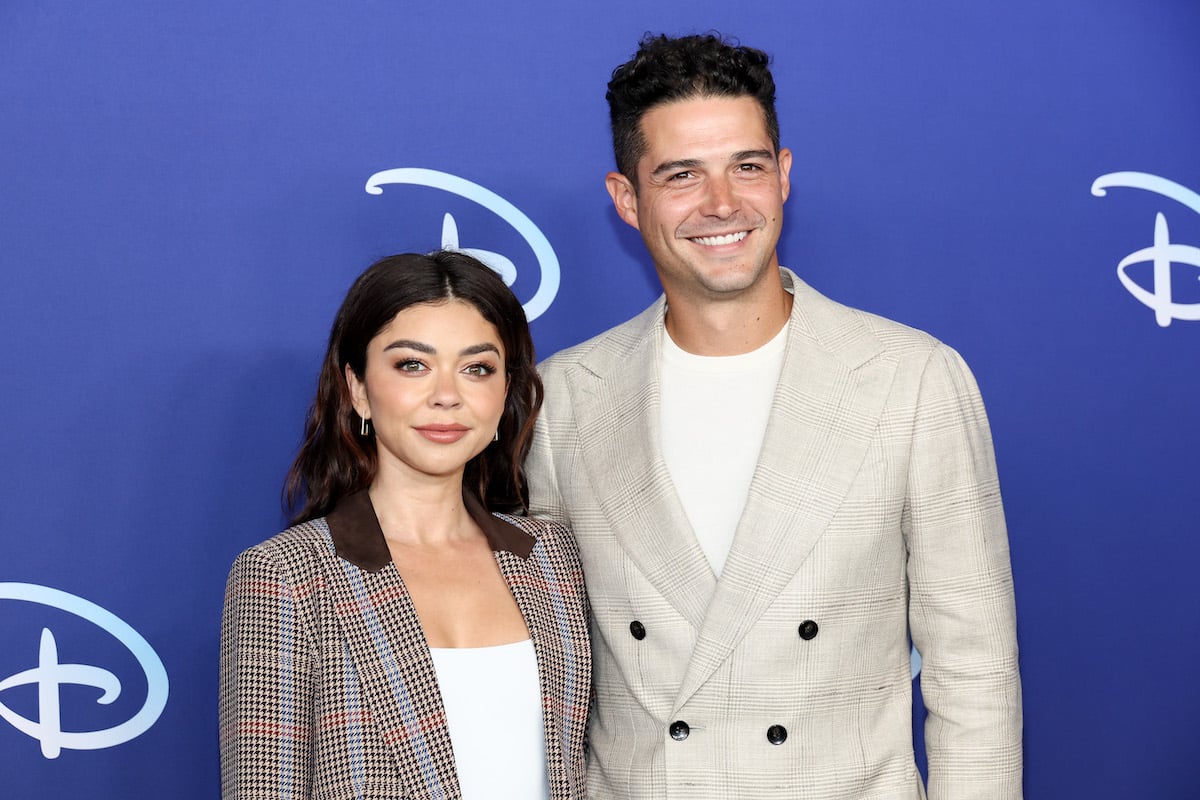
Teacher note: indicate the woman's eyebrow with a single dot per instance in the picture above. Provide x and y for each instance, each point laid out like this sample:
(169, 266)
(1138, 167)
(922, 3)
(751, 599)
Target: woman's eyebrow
(409, 344)
(421, 347)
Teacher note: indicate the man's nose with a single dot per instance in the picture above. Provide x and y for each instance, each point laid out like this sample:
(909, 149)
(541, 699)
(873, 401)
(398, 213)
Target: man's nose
(720, 198)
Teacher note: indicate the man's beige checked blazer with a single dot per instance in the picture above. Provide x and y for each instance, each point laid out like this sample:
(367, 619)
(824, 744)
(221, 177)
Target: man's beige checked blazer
(874, 509)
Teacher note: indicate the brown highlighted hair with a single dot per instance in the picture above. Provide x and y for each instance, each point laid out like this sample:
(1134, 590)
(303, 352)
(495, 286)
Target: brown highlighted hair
(335, 461)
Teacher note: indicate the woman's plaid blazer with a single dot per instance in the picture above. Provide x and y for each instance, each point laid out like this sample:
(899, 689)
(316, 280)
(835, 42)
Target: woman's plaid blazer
(327, 686)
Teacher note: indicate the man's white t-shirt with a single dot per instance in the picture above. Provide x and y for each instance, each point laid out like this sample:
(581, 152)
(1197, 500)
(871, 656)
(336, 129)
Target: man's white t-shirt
(714, 415)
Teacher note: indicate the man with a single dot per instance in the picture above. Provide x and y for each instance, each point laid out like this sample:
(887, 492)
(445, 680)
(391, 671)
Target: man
(770, 491)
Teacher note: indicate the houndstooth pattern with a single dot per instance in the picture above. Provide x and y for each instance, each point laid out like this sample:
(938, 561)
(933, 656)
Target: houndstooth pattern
(328, 689)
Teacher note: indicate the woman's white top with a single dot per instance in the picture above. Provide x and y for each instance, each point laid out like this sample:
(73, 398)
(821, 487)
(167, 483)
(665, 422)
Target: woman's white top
(493, 702)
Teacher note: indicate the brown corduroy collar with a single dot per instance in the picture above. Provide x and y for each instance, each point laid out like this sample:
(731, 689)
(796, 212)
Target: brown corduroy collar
(358, 538)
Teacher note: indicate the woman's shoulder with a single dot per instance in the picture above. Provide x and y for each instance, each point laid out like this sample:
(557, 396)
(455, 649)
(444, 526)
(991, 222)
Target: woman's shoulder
(296, 547)
(552, 537)
(538, 527)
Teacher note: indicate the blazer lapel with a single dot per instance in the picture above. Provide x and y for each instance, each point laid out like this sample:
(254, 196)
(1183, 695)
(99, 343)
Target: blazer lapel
(830, 395)
(528, 580)
(392, 660)
(615, 392)
(538, 590)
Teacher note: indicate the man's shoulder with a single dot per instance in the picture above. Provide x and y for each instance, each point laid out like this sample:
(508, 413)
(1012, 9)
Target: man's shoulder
(839, 325)
(608, 345)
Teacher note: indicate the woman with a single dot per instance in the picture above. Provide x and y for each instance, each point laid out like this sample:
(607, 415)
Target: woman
(399, 640)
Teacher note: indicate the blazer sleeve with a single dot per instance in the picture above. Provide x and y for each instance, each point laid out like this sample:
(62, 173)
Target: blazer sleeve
(266, 684)
(961, 607)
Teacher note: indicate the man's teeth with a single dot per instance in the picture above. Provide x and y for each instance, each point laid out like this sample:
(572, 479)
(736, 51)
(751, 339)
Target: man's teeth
(714, 241)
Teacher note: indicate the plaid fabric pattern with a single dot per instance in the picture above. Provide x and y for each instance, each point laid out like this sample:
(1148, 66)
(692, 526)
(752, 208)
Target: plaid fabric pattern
(328, 689)
(874, 509)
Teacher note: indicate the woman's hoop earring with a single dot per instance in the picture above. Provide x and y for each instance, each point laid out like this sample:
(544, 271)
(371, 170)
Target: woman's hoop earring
(364, 427)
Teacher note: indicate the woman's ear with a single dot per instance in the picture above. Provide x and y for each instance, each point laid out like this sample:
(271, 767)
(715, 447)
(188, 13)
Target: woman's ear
(358, 394)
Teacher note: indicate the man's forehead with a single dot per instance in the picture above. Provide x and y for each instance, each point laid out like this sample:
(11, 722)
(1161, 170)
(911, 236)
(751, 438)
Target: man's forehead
(701, 137)
(713, 124)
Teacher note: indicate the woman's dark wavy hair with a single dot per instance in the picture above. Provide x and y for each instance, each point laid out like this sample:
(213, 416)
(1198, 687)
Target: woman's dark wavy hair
(336, 461)
(666, 69)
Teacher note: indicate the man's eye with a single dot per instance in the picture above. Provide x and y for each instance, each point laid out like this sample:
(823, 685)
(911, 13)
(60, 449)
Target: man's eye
(681, 176)
(750, 167)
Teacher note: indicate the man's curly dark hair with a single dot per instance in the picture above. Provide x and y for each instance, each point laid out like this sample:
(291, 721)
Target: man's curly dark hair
(666, 69)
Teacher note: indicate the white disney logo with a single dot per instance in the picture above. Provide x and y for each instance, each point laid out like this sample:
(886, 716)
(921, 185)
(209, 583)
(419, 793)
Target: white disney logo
(49, 675)
(547, 260)
(1163, 253)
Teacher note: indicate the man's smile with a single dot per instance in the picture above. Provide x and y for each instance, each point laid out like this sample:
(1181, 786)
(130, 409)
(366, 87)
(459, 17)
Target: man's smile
(718, 240)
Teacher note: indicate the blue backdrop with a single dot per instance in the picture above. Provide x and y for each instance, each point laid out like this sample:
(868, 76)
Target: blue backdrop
(184, 201)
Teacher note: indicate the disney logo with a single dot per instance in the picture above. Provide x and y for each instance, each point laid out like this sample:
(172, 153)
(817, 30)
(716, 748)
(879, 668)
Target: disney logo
(1163, 254)
(546, 258)
(49, 675)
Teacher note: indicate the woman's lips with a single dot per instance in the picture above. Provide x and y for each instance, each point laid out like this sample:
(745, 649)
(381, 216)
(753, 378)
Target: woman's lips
(443, 434)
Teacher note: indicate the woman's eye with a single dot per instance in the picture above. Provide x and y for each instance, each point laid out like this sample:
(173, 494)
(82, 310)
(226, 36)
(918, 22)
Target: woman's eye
(480, 369)
(410, 365)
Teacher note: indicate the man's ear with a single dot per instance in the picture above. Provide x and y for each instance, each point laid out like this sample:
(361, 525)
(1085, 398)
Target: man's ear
(785, 170)
(624, 197)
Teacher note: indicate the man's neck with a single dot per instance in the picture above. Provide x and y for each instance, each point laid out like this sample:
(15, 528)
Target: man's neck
(728, 327)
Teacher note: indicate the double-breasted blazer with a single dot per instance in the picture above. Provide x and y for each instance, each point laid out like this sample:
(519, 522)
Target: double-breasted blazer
(874, 510)
(328, 689)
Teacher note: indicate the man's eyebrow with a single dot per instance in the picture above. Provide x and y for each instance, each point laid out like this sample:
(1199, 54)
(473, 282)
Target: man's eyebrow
(684, 164)
(421, 347)
(679, 165)
(750, 155)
